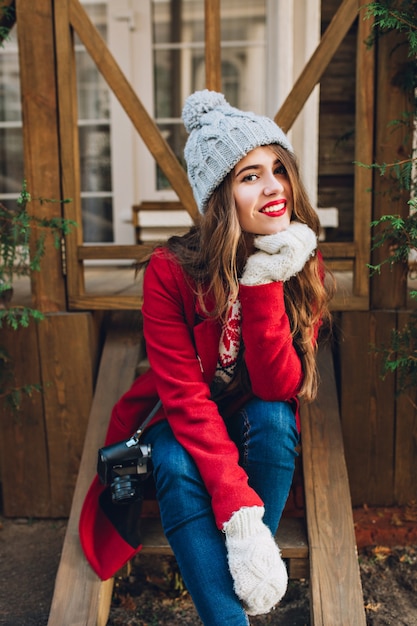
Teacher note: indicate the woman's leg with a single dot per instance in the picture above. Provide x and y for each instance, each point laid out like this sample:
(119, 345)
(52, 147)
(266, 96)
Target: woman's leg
(267, 437)
(191, 530)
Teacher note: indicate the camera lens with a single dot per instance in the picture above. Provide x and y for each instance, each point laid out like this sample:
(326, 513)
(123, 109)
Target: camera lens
(126, 489)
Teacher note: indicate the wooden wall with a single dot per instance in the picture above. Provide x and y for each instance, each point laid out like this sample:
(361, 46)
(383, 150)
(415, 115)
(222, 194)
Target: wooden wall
(40, 446)
(379, 426)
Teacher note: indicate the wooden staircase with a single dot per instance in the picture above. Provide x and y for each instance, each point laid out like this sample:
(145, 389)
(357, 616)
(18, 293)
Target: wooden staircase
(327, 552)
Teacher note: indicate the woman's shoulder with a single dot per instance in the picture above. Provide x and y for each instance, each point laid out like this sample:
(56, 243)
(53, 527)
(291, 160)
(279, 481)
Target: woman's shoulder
(162, 257)
(165, 266)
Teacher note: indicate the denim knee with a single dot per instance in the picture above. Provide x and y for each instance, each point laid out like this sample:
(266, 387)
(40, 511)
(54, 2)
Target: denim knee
(180, 490)
(269, 428)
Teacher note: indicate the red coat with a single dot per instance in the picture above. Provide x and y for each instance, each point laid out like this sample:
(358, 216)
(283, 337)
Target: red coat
(182, 346)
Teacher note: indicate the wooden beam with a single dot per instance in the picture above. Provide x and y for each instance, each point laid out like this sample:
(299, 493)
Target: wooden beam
(110, 302)
(113, 251)
(40, 140)
(67, 376)
(336, 592)
(212, 50)
(392, 144)
(69, 143)
(313, 71)
(364, 152)
(338, 250)
(134, 108)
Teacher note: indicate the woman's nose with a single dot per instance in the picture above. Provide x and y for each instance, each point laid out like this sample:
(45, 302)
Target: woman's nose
(273, 185)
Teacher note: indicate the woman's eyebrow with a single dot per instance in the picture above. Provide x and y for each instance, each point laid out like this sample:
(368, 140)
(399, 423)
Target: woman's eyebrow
(255, 166)
(247, 167)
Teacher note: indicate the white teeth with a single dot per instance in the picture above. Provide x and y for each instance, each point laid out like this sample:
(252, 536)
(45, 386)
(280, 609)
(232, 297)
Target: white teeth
(274, 208)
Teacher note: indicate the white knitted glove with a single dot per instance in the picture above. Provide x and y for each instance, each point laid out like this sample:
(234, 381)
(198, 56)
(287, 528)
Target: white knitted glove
(259, 574)
(282, 255)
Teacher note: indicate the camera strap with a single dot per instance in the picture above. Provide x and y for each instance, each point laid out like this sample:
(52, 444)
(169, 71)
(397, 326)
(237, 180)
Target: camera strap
(144, 424)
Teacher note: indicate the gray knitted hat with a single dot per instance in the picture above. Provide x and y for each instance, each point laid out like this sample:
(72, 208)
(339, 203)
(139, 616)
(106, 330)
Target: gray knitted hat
(220, 136)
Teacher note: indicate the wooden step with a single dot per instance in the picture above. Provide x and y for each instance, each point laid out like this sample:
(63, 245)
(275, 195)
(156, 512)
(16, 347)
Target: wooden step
(335, 585)
(291, 538)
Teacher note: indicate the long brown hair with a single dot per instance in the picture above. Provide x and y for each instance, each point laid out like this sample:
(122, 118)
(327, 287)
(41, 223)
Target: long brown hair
(215, 251)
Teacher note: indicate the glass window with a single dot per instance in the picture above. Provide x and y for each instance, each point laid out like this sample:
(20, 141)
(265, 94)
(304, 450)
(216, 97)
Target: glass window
(11, 140)
(94, 137)
(179, 65)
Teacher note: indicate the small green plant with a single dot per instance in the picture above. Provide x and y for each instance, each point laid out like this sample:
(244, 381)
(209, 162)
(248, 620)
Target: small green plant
(22, 246)
(7, 19)
(400, 233)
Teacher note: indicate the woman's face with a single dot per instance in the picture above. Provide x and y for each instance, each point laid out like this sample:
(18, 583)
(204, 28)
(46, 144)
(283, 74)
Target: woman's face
(262, 193)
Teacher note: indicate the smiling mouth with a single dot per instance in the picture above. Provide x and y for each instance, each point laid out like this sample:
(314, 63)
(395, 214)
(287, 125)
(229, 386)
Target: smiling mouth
(274, 208)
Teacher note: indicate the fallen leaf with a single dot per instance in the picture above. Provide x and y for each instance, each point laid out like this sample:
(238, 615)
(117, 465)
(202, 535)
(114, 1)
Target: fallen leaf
(382, 552)
(396, 520)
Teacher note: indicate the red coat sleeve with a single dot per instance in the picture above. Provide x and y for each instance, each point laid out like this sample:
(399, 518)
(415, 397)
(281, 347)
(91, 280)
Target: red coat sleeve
(273, 364)
(185, 395)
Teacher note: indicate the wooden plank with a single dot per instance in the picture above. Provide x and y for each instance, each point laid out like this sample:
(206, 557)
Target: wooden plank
(212, 44)
(65, 342)
(338, 250)
(364, 144)
(341, 302)
(106, 303)
(113, 251)
(134, 108)
(336, 593)
(40, 139)
(392, 143)
(367, 406)
(405, 487)
(23, 447)
(79, 595)
(317, 64)
(291, 538)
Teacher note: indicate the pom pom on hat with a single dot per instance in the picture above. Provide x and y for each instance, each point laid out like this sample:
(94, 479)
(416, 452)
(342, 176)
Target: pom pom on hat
(219, 137)
(198, 104)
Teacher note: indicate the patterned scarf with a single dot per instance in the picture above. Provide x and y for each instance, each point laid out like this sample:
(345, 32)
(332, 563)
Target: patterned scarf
(229, 346)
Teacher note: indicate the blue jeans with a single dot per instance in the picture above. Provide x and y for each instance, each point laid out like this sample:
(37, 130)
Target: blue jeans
(266, 436)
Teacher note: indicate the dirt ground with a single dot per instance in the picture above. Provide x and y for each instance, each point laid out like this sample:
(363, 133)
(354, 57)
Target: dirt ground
(152, 593)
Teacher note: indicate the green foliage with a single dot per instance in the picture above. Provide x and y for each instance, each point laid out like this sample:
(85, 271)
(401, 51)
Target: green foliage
(399, 233)
(400, 356)
(22, 246)
(7, 17)
(399, 15)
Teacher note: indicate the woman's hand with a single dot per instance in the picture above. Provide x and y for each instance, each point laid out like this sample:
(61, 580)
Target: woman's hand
(282, 255)
(259, 574)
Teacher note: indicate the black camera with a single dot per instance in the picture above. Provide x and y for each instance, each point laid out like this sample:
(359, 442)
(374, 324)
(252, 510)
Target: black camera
(124, 466)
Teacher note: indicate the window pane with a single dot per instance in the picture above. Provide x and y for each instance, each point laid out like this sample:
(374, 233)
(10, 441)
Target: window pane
(11, 160)
(93, 93)
(171, 18)
(97, 220)
(10, 105)
(94, 136)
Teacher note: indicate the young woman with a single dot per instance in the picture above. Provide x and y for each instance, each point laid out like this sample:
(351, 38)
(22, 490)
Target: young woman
(231, 316)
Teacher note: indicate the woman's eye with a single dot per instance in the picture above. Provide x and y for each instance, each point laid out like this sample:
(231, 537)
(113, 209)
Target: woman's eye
(281, 170)
(249, 178)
